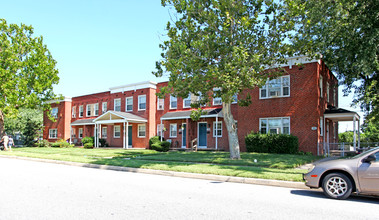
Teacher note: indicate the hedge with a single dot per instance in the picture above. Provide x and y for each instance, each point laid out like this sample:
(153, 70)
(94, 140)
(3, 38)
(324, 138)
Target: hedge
(272, 143)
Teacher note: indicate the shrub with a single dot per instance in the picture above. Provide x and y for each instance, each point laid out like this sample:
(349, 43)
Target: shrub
(42, 143)
(88, 140)
(88, 145)
(103, 143)
(154, 140)
(61, 143)
(161, 146)
(272, 143)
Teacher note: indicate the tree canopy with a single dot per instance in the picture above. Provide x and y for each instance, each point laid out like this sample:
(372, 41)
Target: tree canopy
(218, 48)
(27, 70)
(346, 33)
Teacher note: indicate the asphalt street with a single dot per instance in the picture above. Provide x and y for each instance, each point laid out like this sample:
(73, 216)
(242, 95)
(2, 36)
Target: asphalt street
(37, 190)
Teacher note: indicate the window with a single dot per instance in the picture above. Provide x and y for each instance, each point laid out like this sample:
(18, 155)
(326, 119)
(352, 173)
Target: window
(117, 105)
(80, 111)
(217, 129)
(187, 102)
(104, 107)
(321, 89)
(173, 102)
(274, 125)
(279, 87)
(54, 112)
(80, 133)
(159, 129)
(141, 130)
(160, 105)
(129, 104)
(116, 131)
(327, 91)
(73, 135)
(104, 132)
(53, 133)
(173, 130)
(321, 126)
(235, 99)
(88, 110)
(216, 100)
(142, 102)
(96, 109)
(73, 112)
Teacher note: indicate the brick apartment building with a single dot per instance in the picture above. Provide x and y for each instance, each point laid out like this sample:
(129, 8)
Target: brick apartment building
(303, 102)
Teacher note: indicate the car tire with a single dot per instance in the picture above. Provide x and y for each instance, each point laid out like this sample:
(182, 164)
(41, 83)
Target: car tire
(337, 186)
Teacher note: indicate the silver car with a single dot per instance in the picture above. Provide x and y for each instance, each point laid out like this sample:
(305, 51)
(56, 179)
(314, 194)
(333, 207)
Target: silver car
(339, 178)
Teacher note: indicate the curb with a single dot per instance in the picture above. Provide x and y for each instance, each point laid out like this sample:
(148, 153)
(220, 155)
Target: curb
(218, 178)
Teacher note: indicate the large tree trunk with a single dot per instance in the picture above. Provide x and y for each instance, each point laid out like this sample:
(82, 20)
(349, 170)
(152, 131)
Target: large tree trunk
(231, 126)
(1, 123)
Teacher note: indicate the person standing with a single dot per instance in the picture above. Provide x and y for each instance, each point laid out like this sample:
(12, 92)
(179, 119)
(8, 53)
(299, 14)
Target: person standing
(6, 140)
(11, 143)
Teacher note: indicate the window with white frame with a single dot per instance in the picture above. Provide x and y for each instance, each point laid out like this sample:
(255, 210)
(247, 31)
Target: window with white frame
(173, 102)
(73, 112)
(96, 109)
(321, 86)
(129, 104)
(88, 110)
(235, 98)
(159, 129)
(187, 102)
(117, 105)
(217, 100)
(160, 104)
(141, 130)
(80, 133)
(278, 87)
(116, 131)
(104, 132)
(274, 125)
(142, 102)
(53, 133)
(104, 107)
(80, 111)
(321, 126)
(54, 112)
(173, 130)
(73, 134)
(217, 129)
(327, 92)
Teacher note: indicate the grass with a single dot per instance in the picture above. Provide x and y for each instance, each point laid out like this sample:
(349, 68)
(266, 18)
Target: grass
(267, 166)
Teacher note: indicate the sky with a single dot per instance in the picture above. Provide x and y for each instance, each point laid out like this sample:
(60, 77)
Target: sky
(102, 44)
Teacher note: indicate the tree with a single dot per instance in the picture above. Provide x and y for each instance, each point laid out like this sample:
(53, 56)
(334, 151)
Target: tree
(28, 122)
(346, 33)
(224, 45)
(371, 131)
(27, 70)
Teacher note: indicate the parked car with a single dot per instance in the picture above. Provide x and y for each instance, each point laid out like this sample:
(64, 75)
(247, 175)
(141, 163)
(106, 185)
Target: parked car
(339, 178)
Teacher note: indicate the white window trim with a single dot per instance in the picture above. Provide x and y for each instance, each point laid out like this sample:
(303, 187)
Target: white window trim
(96, 105)
(126, 103)
(215, 129)
(54, 115)
(281, 88)
(321, 86)
(159, 130)
(267, 128)
(103, 110)
(217, 98)
(114, 131)
(184, 101)
(236, 100)
(51, 131)
(140, 109)
(80, 133)
(81, 109)
(321, 126)
(73, 112)
(138, 130)
(88, 105)
(102, 132)
(158, 108)
(176, 126)
(114, 104)
(171, 101)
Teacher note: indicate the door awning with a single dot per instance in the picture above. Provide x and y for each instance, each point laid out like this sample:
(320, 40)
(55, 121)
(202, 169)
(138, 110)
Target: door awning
(111, 117)
(340, 114)
(208, 113)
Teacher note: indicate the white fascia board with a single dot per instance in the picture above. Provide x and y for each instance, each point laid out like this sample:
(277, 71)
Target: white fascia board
(291, 61)
(185, 117)
(65, 99)
(134, 86)
(82, 124)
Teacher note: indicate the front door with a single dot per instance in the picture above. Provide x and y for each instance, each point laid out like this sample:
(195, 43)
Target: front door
(184, 135)
(202, 135)
(130, 132)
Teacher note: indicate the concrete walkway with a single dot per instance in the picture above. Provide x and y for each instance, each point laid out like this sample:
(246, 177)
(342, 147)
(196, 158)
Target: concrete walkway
(218, 178)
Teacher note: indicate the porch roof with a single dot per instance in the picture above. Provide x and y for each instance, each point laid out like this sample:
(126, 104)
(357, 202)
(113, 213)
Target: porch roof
(83, 122)
(209, 113)
(340, 114)
(111, 117)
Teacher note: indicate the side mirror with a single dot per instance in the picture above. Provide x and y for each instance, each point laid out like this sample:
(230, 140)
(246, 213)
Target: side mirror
(370, 158)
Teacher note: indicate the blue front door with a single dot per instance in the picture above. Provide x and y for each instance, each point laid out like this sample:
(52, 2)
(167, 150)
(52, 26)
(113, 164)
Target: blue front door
(130, 136)
(202, 135)
(184, 136)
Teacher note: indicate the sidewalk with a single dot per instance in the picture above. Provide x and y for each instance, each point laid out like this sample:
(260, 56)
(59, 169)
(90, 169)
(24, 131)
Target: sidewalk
(218, 178)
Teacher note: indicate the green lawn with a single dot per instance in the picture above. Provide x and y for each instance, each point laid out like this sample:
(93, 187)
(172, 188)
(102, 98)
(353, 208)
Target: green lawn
(267, 166)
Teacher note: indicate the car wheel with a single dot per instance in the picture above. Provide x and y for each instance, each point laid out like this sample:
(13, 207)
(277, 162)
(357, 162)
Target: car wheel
(337, 186)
